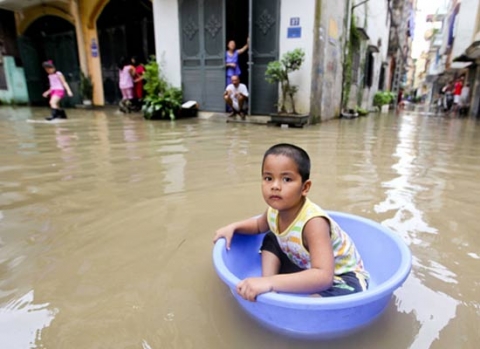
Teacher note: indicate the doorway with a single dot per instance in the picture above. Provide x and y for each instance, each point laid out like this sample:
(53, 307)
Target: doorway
(125, 29)
(50, 38)
(237, 29)
(205, 27)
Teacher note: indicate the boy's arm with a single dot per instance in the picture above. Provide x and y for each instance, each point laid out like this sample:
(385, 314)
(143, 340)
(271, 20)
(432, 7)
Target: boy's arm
(250, 226)
(319, 277)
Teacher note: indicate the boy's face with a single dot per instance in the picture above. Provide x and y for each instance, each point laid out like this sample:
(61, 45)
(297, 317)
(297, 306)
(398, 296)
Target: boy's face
(282, 186)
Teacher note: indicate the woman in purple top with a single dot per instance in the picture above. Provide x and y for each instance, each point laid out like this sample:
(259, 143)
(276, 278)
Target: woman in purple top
(231, 59)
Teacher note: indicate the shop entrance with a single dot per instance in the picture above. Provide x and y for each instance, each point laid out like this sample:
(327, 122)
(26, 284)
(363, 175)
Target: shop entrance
(50, 38)
(125, 29)
(237, 14)
(205, 28)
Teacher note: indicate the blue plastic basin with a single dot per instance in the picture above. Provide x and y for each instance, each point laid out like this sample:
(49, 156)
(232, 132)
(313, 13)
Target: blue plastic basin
(385, 255)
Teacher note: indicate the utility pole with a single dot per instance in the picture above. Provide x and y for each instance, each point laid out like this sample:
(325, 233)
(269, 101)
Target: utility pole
(400, 23)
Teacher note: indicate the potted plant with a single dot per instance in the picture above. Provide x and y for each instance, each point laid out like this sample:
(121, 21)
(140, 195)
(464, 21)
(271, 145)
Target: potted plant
(86, 89)
(361, 111)
(278, 72)
(382, 99)
(161, 100)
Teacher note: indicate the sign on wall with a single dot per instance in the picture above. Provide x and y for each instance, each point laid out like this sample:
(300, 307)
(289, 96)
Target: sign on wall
(295, 30)
(94, 48)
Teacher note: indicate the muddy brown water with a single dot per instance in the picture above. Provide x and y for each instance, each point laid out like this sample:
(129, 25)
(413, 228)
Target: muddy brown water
(106, 224)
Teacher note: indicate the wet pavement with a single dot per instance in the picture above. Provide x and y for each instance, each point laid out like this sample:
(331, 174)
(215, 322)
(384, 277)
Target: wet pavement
(106, 224)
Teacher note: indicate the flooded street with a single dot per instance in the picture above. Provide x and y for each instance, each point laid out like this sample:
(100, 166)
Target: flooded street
(106, 226)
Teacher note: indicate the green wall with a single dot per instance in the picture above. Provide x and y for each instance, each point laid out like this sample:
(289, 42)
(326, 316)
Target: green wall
(16, 85)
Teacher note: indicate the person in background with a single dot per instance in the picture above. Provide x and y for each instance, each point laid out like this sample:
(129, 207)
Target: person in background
(457, 92)
(138, 80)
(465, 99)
(236, 94)
(58, 86)
(447, 96)
(231, 60)
(126, 73)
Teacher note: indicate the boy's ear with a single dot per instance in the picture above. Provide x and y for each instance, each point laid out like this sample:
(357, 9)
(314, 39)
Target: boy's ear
(306, 187)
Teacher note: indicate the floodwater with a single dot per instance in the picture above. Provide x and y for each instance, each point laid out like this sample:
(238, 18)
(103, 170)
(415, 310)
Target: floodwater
(106, 224)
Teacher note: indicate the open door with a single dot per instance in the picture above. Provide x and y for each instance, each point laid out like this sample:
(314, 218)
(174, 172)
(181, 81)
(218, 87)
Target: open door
(264, 24)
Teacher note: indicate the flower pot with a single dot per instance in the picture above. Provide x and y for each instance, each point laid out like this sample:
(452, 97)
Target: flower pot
(385, 108)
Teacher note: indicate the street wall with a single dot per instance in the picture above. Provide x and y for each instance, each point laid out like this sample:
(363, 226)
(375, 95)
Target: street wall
(327, 66)
(303, 10)
(167, 46)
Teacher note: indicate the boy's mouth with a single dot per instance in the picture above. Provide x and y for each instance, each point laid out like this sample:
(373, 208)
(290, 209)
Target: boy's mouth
(275, 197)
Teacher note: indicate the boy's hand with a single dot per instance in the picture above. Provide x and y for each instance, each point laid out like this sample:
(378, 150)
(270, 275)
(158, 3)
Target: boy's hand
(250, 288)
(225, 232)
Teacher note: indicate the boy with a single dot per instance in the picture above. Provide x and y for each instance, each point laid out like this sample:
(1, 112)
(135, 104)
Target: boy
(305, 251)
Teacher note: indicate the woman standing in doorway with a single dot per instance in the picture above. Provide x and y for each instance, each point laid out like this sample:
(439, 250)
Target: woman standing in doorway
(231, 59)
(58, 86)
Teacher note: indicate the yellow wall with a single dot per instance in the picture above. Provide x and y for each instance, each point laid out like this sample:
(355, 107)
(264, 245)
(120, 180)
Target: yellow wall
(89, 10)
(28, 16)
(88, 13)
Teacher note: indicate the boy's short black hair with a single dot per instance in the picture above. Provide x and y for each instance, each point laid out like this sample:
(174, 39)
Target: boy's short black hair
(297, 154)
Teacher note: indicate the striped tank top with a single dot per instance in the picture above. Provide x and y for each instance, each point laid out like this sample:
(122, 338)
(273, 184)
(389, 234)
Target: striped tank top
(346, 256)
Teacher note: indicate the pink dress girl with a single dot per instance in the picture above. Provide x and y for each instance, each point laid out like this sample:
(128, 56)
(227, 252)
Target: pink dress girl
(58, 86)
(126, 82)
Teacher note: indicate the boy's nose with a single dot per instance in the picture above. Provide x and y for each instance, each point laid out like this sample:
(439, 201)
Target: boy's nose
(275, 185)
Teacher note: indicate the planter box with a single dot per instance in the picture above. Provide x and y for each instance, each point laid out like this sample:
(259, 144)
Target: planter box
(385, 108)
(294, 120)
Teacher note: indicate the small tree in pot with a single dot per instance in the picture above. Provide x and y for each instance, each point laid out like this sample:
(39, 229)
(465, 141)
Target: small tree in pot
(278, 71)
(86, 88)
(161, 101)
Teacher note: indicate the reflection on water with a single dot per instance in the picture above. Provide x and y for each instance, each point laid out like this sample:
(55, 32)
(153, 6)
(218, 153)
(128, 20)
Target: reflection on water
(108, 221)
(22, 321)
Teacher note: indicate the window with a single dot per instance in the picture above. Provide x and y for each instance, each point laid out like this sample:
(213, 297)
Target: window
(369, 64)
(381, 80)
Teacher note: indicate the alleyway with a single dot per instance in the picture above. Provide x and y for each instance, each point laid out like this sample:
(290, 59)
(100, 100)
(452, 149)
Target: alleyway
(106, 224)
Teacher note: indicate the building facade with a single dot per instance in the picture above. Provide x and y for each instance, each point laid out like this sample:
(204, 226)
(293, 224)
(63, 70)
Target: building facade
(189, 38)
(13, 87)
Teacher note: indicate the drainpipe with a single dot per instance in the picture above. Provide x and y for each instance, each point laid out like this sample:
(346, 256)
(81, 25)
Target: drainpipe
(74, 8)
(346, 25)
(317, 64)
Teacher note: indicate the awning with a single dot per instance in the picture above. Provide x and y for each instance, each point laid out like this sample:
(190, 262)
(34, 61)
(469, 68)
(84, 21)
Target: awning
(473, 51)
(459, 65)
(363, 33)
(463, 58)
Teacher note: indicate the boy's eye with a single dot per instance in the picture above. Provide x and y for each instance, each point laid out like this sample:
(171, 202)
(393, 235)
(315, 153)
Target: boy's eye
(267, 178)
(287, 179)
